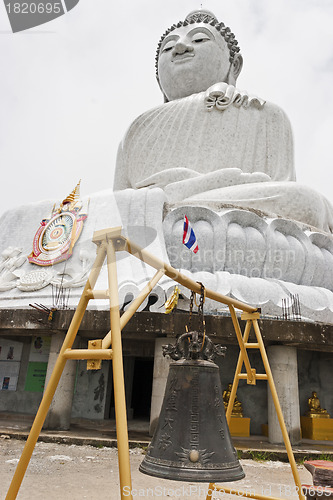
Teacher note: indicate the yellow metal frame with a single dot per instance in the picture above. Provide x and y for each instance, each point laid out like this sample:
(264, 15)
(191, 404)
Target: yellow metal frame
(109, 241)
(252, 376)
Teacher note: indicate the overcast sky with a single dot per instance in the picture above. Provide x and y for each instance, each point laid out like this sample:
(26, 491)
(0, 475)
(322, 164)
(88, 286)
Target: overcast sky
(71, 87)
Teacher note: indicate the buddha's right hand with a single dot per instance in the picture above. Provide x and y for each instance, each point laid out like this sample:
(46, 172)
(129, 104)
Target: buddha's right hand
(183, 189)
(221, 96)
(168, 176)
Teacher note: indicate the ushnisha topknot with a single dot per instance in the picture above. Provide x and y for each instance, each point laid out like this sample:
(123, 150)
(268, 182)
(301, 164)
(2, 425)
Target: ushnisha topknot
(203, 16)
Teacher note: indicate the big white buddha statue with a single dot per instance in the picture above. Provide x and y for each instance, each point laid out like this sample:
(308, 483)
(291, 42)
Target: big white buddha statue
(210, 143)
(216, 154)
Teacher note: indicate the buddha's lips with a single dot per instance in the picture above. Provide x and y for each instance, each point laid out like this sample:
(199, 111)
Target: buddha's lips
(182, 57)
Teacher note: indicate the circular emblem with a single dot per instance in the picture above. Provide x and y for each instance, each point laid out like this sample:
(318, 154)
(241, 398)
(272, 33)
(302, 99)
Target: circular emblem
(56, 236)
(57, 233)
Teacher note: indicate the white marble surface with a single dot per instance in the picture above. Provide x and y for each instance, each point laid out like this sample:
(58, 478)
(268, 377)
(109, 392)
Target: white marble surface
(22, 282)
(211, 142)
(211, 147)
(226, 240)
(184, 135)
(243, 242)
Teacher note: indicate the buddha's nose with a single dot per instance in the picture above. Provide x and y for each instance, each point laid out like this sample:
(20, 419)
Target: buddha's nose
(181, 47)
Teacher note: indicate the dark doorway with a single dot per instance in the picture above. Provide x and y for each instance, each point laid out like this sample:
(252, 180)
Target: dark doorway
(142, 387)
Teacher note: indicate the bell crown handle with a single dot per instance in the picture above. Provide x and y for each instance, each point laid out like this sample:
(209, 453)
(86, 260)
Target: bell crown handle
(193, 346)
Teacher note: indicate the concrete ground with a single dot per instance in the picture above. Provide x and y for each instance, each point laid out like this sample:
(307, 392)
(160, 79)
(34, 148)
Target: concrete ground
(73, 472)
(82, 463)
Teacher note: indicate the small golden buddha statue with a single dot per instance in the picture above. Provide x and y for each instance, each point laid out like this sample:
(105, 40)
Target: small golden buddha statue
(237, 410)
(315, 409)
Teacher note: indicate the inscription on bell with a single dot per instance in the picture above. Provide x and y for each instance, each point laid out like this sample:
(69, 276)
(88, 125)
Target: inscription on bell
(168, 423)
(164, 442)
(173, 391)
(194, 426)
(217, 400)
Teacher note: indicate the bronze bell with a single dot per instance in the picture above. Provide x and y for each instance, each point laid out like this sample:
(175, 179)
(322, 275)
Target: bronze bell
(192, 440)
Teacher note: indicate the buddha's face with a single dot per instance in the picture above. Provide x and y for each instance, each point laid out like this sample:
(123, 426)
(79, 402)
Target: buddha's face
(191, 59)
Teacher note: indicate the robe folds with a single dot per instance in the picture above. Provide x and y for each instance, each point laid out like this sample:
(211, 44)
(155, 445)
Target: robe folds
(240, 155)
(183, 134)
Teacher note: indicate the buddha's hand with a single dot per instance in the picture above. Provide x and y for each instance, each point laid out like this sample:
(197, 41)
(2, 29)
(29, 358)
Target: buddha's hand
(206, 182)
(171, 175)
(221, 95)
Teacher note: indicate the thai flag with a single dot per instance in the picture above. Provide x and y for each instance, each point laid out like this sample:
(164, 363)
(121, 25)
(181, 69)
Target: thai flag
(189, 238)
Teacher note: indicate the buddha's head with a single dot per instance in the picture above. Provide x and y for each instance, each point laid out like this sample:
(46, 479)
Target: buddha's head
(195, 54)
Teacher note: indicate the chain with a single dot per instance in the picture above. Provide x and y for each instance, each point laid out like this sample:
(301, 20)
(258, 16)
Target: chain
(200, 311)
(192, 299)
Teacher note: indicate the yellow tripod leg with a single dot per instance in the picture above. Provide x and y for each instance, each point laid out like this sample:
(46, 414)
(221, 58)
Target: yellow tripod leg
(54, 380)
(118, 377)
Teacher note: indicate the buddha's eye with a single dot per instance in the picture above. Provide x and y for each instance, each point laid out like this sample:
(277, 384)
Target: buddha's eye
(168, 46)
(200, 38)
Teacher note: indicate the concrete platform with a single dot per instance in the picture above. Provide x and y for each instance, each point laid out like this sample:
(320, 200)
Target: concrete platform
(103, 433)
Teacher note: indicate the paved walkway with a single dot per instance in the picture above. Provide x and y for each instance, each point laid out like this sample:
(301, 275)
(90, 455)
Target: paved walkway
(103, 433)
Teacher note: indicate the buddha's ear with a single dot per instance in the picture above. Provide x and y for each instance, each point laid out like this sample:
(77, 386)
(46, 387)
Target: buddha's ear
(164, 96)
(236, 68)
